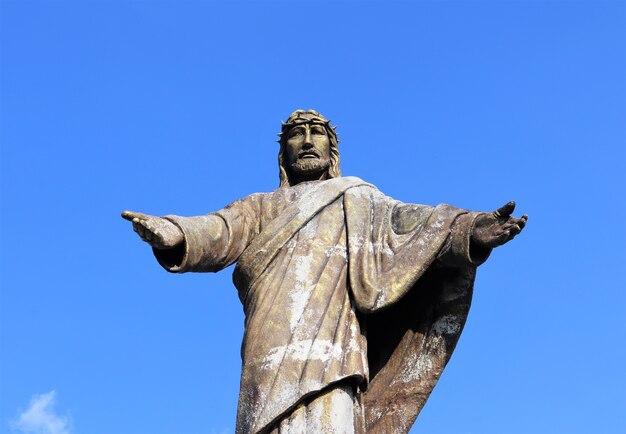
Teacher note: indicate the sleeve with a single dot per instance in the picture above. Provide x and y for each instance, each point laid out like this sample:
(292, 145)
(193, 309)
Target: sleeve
(391, 245)
(459, 250)
(214, 241)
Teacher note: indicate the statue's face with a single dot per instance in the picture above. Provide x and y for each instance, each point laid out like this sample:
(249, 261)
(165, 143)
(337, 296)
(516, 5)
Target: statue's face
(308, 150)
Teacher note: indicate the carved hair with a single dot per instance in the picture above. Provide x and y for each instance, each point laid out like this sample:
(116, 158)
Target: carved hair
(300, 117)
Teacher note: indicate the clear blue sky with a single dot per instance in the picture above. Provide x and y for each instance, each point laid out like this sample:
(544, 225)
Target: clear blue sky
(173, 107)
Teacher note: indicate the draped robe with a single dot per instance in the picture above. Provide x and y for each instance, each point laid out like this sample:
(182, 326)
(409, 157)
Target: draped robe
(338, 283)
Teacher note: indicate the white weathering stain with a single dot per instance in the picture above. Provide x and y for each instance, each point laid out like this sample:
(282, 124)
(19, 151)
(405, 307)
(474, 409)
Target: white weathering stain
(353, 345)
(342, 411)
(302, 290)
(330, 413)
(416, 368)
(338, 250)
(447, 324)
(438, 224)
(339, 414)
(307, 349)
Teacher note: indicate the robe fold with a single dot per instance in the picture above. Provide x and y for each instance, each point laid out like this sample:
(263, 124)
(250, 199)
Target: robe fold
(339, 283)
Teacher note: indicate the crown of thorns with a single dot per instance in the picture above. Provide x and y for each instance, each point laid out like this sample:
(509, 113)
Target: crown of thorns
(300, 117)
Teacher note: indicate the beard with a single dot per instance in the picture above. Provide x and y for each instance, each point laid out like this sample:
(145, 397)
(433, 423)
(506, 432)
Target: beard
(309, 166)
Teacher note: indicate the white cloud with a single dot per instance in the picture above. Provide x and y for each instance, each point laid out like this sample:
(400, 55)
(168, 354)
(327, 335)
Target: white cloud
(40, 417)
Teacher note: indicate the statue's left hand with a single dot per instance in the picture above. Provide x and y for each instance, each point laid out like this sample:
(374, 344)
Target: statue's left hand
(499, 227)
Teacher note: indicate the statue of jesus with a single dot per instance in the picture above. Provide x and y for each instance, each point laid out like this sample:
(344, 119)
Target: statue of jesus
(353, 301)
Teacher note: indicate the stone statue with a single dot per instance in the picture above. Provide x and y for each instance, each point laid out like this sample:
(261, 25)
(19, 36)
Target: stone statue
(353, 301)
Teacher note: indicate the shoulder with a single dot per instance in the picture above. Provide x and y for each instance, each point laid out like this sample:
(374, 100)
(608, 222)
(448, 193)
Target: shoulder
(356, 186)
(351, 183)
(250, 204)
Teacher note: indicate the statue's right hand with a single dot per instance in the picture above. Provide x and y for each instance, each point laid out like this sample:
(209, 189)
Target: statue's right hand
(160, 233)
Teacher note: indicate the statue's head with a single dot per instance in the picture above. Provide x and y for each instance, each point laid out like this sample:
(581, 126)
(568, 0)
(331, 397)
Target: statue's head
(308, 149)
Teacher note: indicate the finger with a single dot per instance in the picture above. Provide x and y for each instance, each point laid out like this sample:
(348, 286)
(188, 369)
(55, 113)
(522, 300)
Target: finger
(505, 210)
(502, 238)
(137, 226)
(130, 215)
(140, 231)
(144, 223)
(515, 229)
(144, 229)
(511, 229)
(504, 232)
(518, 222)
(140, 222)
(153, 234)
(512, 221)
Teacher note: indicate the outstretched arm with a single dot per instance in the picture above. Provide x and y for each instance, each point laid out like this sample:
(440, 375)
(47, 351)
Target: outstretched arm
(202, 243)
(160, 233)
(496, 228)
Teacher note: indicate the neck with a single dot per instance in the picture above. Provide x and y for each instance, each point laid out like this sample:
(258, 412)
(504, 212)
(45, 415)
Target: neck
(305, 177)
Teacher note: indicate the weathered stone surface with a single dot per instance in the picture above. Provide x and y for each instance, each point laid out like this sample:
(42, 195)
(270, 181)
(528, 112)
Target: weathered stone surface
(354, 301)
